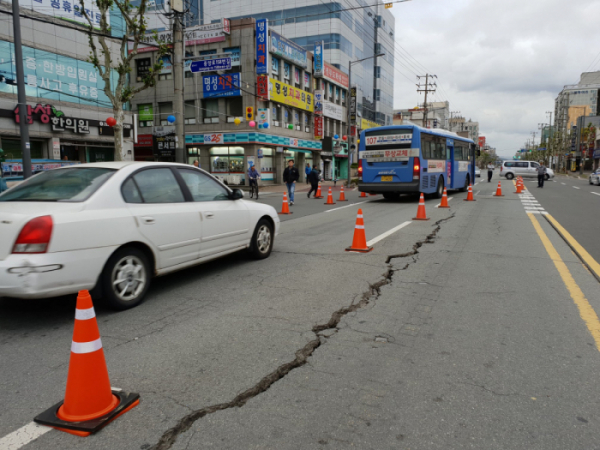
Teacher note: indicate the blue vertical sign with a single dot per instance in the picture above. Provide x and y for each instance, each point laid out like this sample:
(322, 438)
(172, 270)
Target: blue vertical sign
(318, 58)
(262, 56)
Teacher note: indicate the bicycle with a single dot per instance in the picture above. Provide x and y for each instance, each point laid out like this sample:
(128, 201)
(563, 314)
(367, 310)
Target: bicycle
(254, 188)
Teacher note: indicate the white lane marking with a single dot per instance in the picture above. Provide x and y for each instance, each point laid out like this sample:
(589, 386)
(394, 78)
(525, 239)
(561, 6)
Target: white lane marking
(347, 206)
(564, 184)
(375, 240)
(23, 436)
(596, 193)
(575, 187)
(438, 205)
(477, 192)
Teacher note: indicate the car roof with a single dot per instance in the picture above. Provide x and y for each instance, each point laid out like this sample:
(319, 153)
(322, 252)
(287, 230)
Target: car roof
(122, 164)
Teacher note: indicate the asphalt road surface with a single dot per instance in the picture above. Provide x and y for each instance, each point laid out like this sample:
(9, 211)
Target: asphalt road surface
(475, 329)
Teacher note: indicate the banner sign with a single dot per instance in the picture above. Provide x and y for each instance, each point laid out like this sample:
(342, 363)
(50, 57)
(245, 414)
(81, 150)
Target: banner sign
(332, 111)
(200, 34)
(227, 85)
(335, 76)
(318, 127)
(289, 95)
(211, 65)
(318, 59)
(49, 114)
(353, 106)
(289, 50)
(146, 112)
(262, 57)
(68, 10)
(262, 87)
(263, 115)
(389, 139)
(235, 55)
(389, 155)
(319, 99)
(54, 77)
(164, 146)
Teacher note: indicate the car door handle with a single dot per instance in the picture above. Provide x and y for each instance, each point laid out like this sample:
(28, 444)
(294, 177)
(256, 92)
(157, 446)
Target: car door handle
(209, 215)
(148, 220)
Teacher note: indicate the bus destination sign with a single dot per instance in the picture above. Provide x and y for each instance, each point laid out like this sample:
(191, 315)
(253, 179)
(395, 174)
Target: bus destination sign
(389, 155)
(389, 139)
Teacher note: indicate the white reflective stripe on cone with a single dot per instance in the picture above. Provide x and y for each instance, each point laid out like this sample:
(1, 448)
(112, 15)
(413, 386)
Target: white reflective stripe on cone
(359, 216)
(360, 227)
(86, 347)
(85, 314)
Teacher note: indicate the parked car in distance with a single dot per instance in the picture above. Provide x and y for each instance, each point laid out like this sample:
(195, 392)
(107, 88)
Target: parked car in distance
(477, 172)
(511, 169)
(112, 226)
(594, 177)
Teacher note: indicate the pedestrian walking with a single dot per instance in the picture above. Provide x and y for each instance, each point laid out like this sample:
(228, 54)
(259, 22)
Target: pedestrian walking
(290, 176)
(490, 168)
(313, 177)
(541, 174)
(307, 171)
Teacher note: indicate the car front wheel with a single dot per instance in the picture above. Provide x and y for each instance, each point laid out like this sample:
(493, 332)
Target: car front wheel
(126, 278)
(262, 240)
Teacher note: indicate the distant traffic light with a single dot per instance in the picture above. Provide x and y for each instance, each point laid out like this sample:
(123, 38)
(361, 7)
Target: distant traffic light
(249, 113)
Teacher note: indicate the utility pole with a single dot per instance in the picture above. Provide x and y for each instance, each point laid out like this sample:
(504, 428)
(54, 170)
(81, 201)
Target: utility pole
(550, 146)
(427, 87)
(178, 100)
(533, 133)
(451, 116)
(21, 97)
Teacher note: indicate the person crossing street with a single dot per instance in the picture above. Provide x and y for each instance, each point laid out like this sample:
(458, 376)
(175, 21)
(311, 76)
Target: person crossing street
(290, 176)
(490, 168)
(541, 171)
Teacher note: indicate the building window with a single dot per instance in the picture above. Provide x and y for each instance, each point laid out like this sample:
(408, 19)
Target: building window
(275, 114)
(210, 108)
(275, 68)
(235, 107)
(190, 112)
(286, 71)
(165, 109)
(226, 159)
(266, 162)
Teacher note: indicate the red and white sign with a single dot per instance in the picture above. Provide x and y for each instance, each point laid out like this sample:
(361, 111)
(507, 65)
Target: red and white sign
(318, 127)
(436, 166)
(335, 76)
(404, 154)
(262, 87)
(481, 141)
(214, 138)
(389, 139)
(144, 140)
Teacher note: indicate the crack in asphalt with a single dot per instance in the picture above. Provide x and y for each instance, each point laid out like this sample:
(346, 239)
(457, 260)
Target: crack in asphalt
(301, 356)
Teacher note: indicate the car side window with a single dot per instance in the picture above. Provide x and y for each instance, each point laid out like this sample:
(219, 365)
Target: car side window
(509, 164)
(202, 187)
(130, 192)
(158, 186)
(535, 165)
(521, 164)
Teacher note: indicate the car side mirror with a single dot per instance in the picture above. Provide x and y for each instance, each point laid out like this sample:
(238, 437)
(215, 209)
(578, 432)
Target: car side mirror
(236, 194)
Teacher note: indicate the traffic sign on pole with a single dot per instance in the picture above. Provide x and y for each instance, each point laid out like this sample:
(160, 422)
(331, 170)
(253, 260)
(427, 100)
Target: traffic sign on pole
(211, 65)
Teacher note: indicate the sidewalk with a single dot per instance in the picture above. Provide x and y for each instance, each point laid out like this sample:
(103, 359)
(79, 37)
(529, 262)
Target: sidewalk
(300, 187)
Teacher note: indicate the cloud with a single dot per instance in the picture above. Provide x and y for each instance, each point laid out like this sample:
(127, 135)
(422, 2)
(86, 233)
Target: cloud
(501, 63)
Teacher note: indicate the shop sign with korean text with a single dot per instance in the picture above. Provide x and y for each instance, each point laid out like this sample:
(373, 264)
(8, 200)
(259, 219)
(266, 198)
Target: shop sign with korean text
(197, 35)
(211, 65)
(389, 155)
(69, 10)
(335, 75)
(388, 139)
(319, 99)
(263, 115)
(318, 59)
(49, 114)
(289, 95)
(227, 85)
(318, 127)
(262, 87)
(262, 56)
(332, 110)
(164, 146)
(287, 49)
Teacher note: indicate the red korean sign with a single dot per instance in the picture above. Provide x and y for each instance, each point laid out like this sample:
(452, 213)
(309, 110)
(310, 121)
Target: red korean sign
(335, 75)
(481, 141)
(318, 127)
(144, 140)
(262, 87)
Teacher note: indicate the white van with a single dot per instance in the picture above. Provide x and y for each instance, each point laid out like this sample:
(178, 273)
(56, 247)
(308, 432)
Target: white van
(511, 169)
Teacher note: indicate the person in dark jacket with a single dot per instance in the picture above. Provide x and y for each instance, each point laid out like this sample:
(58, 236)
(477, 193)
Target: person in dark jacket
(313, 178)
(290, 176)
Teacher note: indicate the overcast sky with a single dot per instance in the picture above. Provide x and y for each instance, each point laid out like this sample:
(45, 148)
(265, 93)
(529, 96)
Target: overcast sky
(501, 63)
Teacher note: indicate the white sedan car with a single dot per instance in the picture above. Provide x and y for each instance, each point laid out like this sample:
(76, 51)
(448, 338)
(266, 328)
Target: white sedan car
(113, 226)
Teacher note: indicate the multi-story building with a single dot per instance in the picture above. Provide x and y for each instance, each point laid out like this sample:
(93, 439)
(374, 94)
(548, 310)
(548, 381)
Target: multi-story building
(295, 116)
(349, 34)
(438, 115)
(577, 100)
(67, 106)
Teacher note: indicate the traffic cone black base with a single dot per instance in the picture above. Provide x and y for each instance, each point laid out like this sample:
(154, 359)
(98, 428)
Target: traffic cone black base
(49, 417)
(366, 250)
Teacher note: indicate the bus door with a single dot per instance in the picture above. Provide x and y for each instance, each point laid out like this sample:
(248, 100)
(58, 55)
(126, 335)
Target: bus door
(450, 164)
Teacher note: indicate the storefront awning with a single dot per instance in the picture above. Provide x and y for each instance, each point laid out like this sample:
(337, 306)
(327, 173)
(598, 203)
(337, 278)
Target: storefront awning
(297, 150)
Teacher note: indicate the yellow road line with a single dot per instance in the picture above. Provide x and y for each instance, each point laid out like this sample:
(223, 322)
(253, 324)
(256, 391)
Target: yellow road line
(583, 254)
(586, 311)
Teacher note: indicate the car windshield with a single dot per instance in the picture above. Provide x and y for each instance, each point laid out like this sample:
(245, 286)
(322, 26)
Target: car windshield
(60, 185)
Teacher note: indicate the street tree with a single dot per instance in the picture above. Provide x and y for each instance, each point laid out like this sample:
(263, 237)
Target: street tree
(487, 157)
(117, 88)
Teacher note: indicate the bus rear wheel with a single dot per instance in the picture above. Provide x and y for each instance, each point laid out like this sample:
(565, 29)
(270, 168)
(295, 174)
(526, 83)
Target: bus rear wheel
(466, 186)
(440, 189)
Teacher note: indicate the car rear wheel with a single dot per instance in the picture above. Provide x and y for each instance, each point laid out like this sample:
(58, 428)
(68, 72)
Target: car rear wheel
(126, 278)
(262, 240)
(546, 177)
(509, 176)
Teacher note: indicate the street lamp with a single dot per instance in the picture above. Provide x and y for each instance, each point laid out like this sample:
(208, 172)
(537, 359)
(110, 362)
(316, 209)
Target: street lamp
(348, 127)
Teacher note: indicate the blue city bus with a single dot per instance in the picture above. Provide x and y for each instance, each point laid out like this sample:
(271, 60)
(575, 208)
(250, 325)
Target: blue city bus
(408, 159)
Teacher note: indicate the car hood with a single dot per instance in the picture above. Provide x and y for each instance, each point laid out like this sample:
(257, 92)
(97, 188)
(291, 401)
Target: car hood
(14, 215)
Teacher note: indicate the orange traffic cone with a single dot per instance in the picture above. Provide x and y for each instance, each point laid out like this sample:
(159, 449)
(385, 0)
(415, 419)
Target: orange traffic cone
(285, 207)
(318, 194)
(359, 242)
(499, 190)
(421, 209)
(363, 194)
(470, 195)
(519, 187)
(342, 195)
(89, 403)
(329, 198)
(444, 203)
